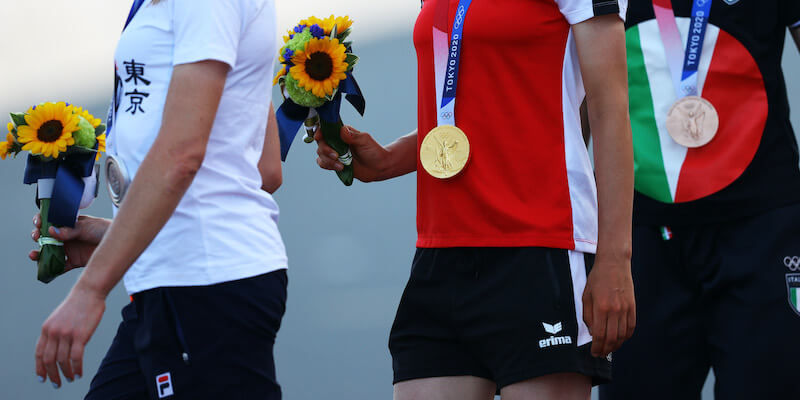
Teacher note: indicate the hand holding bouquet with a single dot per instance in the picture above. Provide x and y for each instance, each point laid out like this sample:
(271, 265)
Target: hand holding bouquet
(316, 69)
(64, 142)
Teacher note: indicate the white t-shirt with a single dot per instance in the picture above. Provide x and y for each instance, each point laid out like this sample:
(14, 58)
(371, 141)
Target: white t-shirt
(225, 227)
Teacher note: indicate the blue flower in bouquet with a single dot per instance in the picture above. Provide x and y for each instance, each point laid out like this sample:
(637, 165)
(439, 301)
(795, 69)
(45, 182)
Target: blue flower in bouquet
(316, 31)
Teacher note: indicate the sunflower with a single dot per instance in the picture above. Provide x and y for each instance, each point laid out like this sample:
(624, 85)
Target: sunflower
(312, 21)
(5, 147)
(288, 36)
(343, 23)
(321, 67)
(89, 117)
(281, 73)
(101, 146)
(49, 129)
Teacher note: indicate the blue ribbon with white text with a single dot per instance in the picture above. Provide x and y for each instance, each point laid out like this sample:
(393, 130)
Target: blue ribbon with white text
(446, 67)
(68, 173)
(685, 72)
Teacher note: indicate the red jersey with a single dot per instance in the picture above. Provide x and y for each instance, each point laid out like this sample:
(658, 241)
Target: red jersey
(529, 181)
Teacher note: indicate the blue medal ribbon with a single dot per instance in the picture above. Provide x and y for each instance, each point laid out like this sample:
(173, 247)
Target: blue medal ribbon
(454, 55)
(112, 109)
(684, 70)
(68, 173)
(701, 10)
(291, 115)
(449, 77)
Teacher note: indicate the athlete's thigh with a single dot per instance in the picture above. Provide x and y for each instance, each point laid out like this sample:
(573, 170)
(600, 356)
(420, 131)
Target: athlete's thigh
(564, 386)
(754, 325)
(445, 388)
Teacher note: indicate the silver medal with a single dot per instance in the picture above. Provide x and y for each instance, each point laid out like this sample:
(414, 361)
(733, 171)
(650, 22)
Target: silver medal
(117, 179)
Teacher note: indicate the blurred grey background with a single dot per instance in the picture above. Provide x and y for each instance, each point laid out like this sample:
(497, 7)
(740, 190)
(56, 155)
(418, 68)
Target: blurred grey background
(349, 248)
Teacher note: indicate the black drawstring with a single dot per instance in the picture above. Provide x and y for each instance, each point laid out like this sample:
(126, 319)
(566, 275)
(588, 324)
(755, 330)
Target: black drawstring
(178, 329)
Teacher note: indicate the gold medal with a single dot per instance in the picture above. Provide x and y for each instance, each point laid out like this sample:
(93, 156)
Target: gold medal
(444, 151)
(692, 121)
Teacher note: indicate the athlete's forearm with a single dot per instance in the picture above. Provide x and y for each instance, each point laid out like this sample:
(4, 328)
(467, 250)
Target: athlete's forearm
(163, 177)
(601, 49)
(402, 158)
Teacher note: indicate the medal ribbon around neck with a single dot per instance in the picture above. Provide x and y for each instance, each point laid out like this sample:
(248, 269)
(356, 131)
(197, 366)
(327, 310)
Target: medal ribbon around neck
(445, 150)
(692, 121)
(117, 178)
(684, 70)
(112, 109)
(447, 57)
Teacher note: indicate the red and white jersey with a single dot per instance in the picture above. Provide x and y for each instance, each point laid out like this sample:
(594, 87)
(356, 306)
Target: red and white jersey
(529, 181)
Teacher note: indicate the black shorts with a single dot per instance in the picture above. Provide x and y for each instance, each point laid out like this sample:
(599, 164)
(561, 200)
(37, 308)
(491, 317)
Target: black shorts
(503, 314)
(197, 342)
(718, 296)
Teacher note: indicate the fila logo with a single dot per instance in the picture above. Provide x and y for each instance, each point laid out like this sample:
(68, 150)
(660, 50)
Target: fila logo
(164, 385)
(793, 263)
(553, 340)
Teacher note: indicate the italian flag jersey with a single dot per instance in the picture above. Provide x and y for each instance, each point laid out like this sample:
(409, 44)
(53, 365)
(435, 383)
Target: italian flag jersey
(751, 165)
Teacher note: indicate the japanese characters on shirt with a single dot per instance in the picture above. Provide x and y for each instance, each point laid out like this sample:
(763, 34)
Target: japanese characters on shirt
(135, 71)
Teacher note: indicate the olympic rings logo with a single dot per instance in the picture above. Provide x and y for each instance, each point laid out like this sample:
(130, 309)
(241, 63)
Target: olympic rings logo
(793, 263)
(447, 115)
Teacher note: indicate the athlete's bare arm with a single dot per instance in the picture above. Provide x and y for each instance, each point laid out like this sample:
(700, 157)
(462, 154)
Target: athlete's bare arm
(371, 161)
(608, 299)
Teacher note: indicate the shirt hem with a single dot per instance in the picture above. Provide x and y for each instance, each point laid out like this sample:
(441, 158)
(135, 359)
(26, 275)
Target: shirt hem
(136, 286)
(582, 245)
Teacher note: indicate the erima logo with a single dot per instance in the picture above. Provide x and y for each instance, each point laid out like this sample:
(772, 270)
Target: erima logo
(164, 385)
(553, 340)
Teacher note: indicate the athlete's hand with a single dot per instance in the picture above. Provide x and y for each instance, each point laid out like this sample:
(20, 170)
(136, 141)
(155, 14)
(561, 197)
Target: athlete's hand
(369, 157)
(79, 242)
(609, 307)
(66, 332)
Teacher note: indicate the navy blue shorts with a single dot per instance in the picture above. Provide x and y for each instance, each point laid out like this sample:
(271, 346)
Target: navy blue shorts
(721, 296)
(198, 342)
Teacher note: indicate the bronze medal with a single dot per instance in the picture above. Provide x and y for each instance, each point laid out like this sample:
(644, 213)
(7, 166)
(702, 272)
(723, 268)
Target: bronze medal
(444, 151)
(692, 122)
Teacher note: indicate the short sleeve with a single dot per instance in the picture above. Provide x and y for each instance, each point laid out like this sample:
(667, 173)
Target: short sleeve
(577, 11)
(790, 9)
(206, 30)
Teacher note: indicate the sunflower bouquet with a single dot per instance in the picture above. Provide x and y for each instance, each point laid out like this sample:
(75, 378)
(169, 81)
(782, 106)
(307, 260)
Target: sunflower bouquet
(316, 70)
(64, 142)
